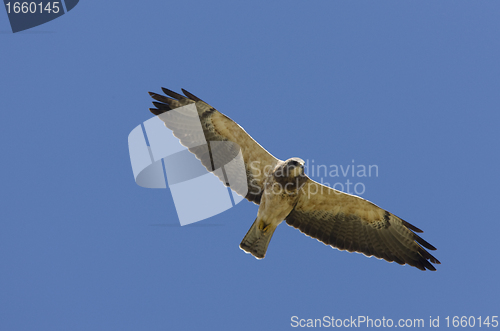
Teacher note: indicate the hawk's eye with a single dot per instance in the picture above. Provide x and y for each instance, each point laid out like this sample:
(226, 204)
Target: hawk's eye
(294, 163)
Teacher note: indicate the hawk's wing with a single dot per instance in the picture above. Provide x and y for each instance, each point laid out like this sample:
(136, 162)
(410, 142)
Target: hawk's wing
(350, 223)
(217, 127)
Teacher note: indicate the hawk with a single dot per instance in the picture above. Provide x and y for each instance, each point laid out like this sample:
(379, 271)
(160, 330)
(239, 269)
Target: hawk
(285, 193)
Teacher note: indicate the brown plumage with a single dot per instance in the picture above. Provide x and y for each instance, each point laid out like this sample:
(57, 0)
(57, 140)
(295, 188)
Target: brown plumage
(341, 220)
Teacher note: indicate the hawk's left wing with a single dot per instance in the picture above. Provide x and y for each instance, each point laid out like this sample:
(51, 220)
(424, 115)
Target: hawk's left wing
(348, 222)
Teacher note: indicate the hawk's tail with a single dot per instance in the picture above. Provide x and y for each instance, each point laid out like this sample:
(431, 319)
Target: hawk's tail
(257, 240)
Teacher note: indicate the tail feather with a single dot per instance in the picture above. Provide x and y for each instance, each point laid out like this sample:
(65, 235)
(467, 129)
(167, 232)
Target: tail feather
(256, 241)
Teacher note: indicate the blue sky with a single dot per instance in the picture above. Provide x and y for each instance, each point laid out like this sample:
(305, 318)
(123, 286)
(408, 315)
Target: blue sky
(412, 87)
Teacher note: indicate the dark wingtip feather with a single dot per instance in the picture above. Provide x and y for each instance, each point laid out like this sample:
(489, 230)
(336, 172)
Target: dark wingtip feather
(161, 98)
(427, 256)
(172, 94)
(161, 106)
(156, 111)
(429, 266)
(190, 95)
(424, 243)
(412, 227)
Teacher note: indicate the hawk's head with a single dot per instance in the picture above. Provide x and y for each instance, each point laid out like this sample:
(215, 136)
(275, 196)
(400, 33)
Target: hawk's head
(289, 176)
(294, 167)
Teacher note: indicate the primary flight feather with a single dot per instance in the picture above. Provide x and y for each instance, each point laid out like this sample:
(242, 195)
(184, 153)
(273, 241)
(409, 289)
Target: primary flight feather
(285, 193)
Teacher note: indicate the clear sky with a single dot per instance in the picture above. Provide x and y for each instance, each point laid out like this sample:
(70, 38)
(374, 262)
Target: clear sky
(410, 86)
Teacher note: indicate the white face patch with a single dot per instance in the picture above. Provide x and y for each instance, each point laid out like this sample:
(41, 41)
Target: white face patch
(296, 171)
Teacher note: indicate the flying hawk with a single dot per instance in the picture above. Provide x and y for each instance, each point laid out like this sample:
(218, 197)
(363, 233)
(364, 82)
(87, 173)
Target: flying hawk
(284, 192)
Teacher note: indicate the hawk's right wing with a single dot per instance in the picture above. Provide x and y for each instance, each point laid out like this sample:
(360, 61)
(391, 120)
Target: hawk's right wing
(225, 141)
